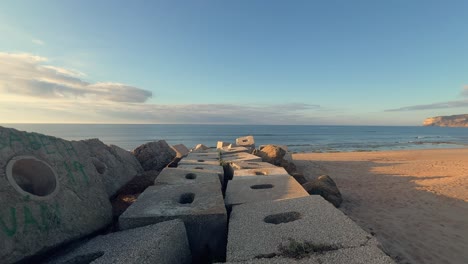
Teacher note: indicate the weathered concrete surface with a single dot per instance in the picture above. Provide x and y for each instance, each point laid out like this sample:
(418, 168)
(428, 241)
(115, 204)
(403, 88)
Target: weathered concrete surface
(205, 217)
(258, 229)
(277, 171)
(115, 165)
(52, 195)
(247, 141)
(164, 242)
(181, 150)
(211, 168)
(222, 144)
(231, 150)
(203, 156)
(154, 155)
(199, 162)
(240, 157)
(242, 165)
(183, 176)
(200, 148)
(358, 255)
(260, 188)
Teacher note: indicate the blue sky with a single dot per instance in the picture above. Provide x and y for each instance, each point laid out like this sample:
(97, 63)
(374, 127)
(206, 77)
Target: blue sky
(266, 62)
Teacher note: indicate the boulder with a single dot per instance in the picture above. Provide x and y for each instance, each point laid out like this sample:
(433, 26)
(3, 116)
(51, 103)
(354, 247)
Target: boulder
(200, 148)
(51, 192)
(325, 187)
(271, 154)
(115, 165)
(154, 155)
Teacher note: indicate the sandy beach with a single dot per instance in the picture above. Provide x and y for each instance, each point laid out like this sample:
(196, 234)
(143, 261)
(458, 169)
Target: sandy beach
(414, 201)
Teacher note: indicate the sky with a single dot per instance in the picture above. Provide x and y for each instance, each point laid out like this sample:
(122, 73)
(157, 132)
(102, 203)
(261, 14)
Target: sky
(321, 62)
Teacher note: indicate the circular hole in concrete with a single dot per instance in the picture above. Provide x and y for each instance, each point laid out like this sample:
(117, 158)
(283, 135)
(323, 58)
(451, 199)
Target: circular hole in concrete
(190, 176)
(201, 160)
(260, 173)
(186, 198)
(85, 259)
(261, 186)
(100, 167)
(282, 218)
(33, 177)
(198, 168)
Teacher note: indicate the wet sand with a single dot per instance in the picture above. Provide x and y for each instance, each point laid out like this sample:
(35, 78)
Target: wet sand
(414, 201)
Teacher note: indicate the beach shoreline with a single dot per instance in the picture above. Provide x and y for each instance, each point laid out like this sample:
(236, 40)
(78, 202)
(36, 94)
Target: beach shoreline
(414, 201)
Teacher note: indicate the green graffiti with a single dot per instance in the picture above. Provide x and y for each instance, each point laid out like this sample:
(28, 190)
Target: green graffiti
(12, 230)
(33, 143)
(70, 175)
(80, 167)
(50, 217)
(69, 149)
(45, 141)
(29, 219)
(13, 138)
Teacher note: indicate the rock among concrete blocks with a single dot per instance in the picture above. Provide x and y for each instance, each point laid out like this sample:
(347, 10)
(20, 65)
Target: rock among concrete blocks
(269, 228)
(51, 192)
(160, 243)
(200, 148)
(183, 176)
(115, 165)
(154, 155)
(325, 187)
(181, 150)
(222, 144)
(247, 141)
(284, 147)
(200, 206)
(260, 188)
(277, 171)
(240, 157)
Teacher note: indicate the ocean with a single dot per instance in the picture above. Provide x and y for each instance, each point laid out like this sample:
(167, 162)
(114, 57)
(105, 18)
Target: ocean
(297, 138)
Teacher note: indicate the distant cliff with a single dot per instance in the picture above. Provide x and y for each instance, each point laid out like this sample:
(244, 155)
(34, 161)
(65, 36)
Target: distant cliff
(447, 121)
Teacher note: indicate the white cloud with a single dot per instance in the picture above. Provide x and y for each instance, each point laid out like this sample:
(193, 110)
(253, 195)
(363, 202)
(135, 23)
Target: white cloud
(24, 74)
(38, 42)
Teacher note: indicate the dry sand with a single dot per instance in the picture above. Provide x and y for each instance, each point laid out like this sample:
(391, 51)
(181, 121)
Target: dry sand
(414, 201)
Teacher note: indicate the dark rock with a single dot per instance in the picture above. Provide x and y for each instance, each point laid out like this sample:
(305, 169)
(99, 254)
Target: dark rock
(325, 187)
(271, 154)
(154, 155)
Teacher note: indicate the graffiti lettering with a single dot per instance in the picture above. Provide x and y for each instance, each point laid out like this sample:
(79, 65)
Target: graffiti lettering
(45, 141)
(9, 231)
(78, 167)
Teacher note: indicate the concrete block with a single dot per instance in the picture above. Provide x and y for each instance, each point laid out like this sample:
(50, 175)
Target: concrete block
(230, 150)
(247, 141)
(277, 171)
(203, 156)
(260, 188)
(51, 192)
(181, 150)
(259, 229)
(222, 144)
(164, 242)
(240, 157)
(200, 206)
(199, 162)
(211, 168)
(242, 165)
(358, 255)
(183, 176)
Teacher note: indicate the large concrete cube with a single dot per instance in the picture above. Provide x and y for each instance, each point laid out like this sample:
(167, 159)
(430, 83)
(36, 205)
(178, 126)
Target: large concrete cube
(162, 243)
(260, 188)
(358, 255)
(200, 206)
(211, 168)
(51, 192)
(201, 161)
(247, 141)
(222, 144)
(182, 176)
(240, 157)
(243, 165)
(261, 229)
(277, 171)
(203, 156)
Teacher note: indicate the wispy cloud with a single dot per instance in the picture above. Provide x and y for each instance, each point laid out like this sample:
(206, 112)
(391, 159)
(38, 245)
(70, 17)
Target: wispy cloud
(38, 42)
(26, 74)
(440, 105)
